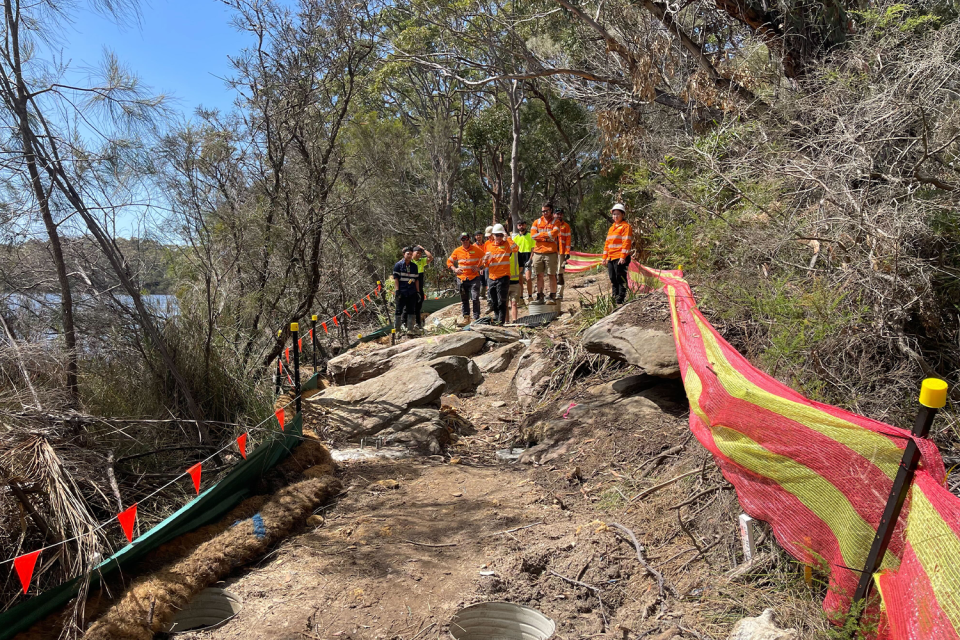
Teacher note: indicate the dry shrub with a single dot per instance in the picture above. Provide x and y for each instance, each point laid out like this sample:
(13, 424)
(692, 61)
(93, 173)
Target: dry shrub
(150, 604)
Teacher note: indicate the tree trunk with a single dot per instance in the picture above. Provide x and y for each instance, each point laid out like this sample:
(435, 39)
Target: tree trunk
(516, 99)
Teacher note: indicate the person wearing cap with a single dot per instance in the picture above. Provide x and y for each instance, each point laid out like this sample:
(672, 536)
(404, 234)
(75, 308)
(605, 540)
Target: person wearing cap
(421, 258)
(616, 252)
(564, 247)
(406, 280)
(546, 250)
(497, 260)
(485, 292)
(465, 263)
(521, 237)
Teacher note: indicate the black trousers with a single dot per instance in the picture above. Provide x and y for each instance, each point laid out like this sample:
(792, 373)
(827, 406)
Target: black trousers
(618, 278)
(499, 297)
(420, 298)
(470, 290)
(406, 307)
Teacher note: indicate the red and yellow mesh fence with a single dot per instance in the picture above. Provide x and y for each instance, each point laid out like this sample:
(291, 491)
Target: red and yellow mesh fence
(582, 262)
(819, 475)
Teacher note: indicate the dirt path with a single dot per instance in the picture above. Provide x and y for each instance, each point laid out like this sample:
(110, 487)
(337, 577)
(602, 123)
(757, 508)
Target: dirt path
(413, 540)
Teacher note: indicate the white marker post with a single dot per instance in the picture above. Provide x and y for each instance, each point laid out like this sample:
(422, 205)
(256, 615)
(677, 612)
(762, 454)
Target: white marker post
(747, 537)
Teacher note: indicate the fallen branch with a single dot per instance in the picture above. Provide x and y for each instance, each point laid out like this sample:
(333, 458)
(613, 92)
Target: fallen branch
(661, 583)
(499, 533)
(596, 591)
(656, 488)
(654, 461)
(693, 499)
(427, 544)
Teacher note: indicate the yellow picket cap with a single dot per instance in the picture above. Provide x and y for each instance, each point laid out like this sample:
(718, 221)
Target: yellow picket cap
(294, 326)
(679, 267)
(279, 331)
(314, 317)
(393, 330)
(933, 393)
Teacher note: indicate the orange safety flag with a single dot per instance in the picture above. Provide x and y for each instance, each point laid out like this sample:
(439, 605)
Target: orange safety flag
(127, 519)
(281, 416)
(818, 474)
(286, 352)
(242, 444)
(364, 302)
(347, 313)
(311, 336)
(300, 345)
(195, 472)
(324, 325)
(24, 565)
(355, 310)
(368, 297)
(335, 321)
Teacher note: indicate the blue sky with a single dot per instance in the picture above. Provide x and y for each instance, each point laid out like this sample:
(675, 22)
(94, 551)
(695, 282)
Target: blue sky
(179, 48)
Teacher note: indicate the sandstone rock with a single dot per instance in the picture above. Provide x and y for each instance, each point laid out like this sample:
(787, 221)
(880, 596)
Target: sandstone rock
(353, 367)
(499, 359)
(315, 521)
(532, 377)
(408, 387)
(460, 374)
(761, 628)
(615, 336)
(496, 334)
(383, 485)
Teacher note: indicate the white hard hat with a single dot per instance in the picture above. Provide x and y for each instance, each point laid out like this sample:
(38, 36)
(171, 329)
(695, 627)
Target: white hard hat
(498, 228)
(618, 207)
(488, 231)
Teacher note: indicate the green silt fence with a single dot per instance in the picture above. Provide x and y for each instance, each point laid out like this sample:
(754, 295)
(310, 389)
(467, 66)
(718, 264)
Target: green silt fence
(208, 507)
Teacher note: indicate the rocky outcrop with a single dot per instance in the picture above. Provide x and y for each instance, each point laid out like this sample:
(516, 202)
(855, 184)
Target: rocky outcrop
(496, 334)
(398, 406)
(499, 359)
(620, 337)
(354, 367)
(460, 373)
(761, 628)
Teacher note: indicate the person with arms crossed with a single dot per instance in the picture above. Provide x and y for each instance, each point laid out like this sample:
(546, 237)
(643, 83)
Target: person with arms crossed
(546, 250)
(406, 280)
(464, 262)
(616, 252)
(497, 260)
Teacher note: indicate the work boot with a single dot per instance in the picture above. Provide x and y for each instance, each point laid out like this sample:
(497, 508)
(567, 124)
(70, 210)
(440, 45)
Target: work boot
(539, 297)
(553, 297)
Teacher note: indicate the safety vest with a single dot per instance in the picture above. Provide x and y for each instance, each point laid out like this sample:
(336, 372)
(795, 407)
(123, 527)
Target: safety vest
(619, 241)
(565, 238)
(469, 259)
(514, 268)
(497, 259)
(524, 242)
(546, 235)
(407, 274)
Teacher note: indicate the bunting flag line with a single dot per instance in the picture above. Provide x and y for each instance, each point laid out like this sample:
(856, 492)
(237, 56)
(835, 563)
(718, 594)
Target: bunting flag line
(324, 325)
(127, 519)
(335, 321)
(355, 310)
(242, 445)
(24, 565)
(286, 353)
(281, 416)
(284, 371)
(311, 335)
(347, 313)
(195, 472)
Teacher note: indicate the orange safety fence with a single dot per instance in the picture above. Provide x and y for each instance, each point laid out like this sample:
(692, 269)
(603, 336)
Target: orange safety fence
(820, 476)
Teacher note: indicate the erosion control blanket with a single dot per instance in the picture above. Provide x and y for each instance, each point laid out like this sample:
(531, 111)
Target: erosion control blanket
(208, 507)
(820, 476)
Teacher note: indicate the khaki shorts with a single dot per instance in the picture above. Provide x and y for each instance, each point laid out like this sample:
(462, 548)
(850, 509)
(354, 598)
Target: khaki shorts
(515, 293)
(545, 263)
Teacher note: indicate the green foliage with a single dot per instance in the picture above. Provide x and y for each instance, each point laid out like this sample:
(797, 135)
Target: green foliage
(897, 18)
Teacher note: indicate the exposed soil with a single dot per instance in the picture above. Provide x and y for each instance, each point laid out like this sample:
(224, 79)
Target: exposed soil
(414, 540)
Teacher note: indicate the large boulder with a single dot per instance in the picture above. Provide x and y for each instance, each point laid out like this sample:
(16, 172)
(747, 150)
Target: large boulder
(460, 374)
(354, 367)
(619, 336)
(532, 376)
(493, 333)
(499, 359)
(399, 406)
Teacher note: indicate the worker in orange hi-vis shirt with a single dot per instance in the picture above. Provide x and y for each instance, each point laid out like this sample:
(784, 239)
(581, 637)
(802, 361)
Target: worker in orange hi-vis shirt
(466, 263)
(497, 261)
(616, 252)
(564, 247)
(546, 251)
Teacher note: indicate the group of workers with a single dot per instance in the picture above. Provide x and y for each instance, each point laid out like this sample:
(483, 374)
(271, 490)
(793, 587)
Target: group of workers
(493, 265)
